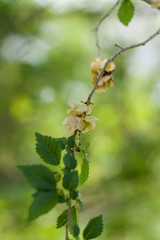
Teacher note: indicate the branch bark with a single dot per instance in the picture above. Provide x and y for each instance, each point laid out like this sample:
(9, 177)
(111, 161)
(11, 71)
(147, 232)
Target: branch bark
(96, 29)
(117, 54)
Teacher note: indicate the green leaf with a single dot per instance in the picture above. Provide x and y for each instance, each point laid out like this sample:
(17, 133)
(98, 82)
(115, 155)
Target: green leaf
(62, 219)
(43, 202)
(61, 199)
(39, 176)
(126, 12)
(71, 142)
(86, 157)
(84, 172)
(62, 141)
(61, 196)
(69, 161)
(84, 146)
(57, 176)
(80, 204)
(75, 230)
(94, 228)
(74, 194)
(49, 149)
(70, 180)
(73, 219)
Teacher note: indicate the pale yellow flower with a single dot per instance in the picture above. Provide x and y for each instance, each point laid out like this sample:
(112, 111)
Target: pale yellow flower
(79, 107)
(90, 123)
(106, 80)
(88, 127)
(82, 122)
(72, 123)
(91, 119)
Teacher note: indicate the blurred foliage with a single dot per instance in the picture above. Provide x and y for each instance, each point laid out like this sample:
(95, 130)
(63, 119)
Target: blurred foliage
(45, 54)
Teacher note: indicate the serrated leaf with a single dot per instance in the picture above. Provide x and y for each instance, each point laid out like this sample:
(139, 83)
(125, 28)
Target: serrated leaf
(94, 228)
(39, 176)
(73, 219)
(75, 230)
(69, 161)
(62, 218)
(70, 180)
(126, 12)
(43, 202)
(49, 149)
(84, 172)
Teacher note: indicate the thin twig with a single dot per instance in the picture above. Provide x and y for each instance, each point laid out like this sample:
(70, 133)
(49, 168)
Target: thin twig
(114, 56)
(116, 45)
(75, 133)
(96, 29)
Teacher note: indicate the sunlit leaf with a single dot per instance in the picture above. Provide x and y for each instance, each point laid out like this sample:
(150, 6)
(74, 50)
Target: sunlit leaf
(126, 12)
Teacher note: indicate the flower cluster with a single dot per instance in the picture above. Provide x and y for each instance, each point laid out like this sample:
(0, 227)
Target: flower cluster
(106, 79)
(82, 120)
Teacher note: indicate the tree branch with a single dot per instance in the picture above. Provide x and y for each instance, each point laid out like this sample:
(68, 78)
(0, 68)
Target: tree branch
(96, 29)
(117, 54)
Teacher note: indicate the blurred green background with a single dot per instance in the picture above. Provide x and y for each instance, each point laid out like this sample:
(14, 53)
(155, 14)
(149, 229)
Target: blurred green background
(46, 47)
